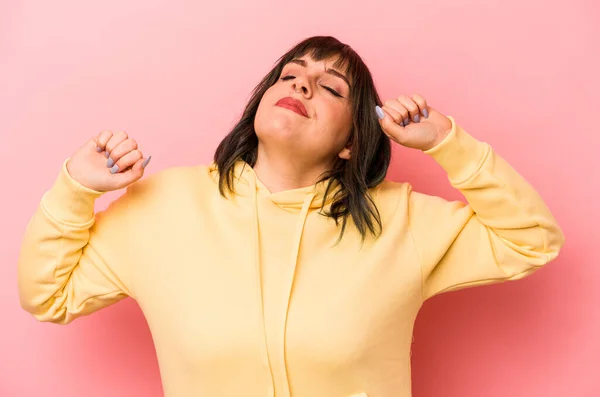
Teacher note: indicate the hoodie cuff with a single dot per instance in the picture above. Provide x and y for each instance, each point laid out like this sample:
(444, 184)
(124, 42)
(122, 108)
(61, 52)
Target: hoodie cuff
(68, 201)
(459, 154)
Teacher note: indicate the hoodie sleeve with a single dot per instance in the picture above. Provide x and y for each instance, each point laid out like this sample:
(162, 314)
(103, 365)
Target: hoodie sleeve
(73, 262)
(504, 232)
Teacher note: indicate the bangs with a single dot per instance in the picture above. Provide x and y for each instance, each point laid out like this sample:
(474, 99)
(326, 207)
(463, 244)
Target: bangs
(343, 57)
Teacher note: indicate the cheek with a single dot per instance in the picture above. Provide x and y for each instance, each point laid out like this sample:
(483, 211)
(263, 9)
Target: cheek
(338, 122)
(263, 107)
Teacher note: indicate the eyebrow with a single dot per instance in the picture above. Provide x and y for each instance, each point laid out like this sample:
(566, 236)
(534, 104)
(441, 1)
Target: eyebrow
(333, 72)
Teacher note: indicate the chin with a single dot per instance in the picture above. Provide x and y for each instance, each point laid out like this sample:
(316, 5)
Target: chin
(276, 125)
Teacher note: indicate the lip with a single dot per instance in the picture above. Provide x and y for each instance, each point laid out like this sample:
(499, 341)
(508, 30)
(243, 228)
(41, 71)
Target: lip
(292, 104)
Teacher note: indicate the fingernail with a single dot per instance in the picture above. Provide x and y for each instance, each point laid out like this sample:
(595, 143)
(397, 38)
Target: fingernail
(106, 154)
(114, 169)
(379, 112)
(425, 113)
(98, 149)
(110, 162)
(406, 121)
(416, 118)
(145, 163)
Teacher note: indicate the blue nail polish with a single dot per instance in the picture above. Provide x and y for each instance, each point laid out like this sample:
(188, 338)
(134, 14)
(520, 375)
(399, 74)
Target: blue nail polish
(110, 162)
(114, 169)
(406, 121)
(98, 149)
(425, 113)
(106, 154)
(379, 112)
(145, 163)
(416, 118)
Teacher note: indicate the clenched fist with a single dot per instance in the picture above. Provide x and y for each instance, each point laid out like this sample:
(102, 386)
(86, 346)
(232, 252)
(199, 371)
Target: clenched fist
(411, 122)
(107, 162)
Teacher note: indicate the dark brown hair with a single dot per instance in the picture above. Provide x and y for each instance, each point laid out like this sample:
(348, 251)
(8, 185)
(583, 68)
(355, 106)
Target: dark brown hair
(371, 150)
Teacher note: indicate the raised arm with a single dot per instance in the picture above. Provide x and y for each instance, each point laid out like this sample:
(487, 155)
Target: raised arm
(505, 232)
(73, 262)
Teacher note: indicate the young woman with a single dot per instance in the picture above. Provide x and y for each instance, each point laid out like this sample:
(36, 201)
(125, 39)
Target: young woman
(289, 266)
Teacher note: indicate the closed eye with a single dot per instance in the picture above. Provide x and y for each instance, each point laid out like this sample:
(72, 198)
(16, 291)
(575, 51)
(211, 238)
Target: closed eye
(334, 92)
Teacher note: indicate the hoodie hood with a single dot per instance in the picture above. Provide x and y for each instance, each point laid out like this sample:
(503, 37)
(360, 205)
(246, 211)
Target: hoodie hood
(246, 184)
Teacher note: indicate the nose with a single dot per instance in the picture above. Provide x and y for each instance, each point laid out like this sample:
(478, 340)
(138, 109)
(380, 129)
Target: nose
(301, 86)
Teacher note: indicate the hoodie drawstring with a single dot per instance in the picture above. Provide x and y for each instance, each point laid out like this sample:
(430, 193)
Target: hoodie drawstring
(297, 239)
(259, 290)
(293, 262)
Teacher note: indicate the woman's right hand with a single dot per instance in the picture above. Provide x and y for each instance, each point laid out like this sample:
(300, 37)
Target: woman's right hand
(107, 162)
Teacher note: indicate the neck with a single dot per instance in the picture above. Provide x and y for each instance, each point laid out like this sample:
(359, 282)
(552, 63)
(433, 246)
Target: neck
(279, 173)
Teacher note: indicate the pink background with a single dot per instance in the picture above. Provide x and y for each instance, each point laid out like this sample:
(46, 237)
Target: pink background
(520, 74)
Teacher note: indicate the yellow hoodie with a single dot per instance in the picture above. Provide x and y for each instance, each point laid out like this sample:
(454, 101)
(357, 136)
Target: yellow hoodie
(250, 296)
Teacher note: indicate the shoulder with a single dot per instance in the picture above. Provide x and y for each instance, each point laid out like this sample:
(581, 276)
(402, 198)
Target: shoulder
(390, 193)
(392, 197)
(175, 177)
(389, 197)
(157, 196)
(172, 184)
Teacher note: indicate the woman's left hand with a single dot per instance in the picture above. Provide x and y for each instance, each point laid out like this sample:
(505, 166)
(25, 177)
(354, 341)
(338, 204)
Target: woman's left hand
(411, 122)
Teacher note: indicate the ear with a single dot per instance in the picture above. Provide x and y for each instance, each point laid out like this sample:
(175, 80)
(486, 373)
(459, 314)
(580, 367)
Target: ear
(345, 153)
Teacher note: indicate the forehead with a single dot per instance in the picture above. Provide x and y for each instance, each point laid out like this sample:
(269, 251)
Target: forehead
(332, 62)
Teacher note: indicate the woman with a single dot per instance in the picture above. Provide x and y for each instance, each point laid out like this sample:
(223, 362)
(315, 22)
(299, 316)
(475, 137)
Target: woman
(289, 266)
